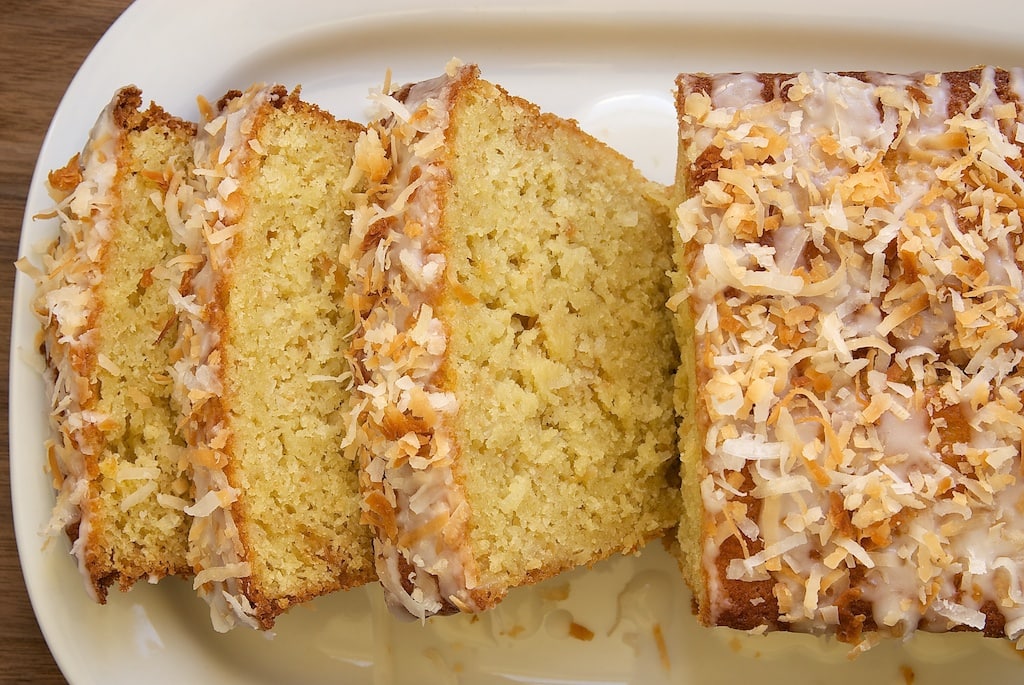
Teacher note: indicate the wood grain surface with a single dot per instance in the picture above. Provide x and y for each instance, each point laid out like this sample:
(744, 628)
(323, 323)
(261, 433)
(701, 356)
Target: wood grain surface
(42, 44)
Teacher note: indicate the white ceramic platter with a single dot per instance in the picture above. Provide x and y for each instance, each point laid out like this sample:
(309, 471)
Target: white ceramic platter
(608, 63)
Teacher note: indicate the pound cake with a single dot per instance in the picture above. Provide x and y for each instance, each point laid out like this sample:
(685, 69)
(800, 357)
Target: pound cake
(107, 331)
(849, 309)
(513, 356)
(261, 374)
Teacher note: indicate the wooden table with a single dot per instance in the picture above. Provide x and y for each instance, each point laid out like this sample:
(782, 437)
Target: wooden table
(42, 44)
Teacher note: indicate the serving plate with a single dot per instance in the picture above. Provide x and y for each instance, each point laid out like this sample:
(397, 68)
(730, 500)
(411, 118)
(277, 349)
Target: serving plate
(608, 63)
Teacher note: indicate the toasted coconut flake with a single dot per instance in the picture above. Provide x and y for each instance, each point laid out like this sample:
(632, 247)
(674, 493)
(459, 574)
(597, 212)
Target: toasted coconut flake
(139, 495)
(397, 350)
(221, 573)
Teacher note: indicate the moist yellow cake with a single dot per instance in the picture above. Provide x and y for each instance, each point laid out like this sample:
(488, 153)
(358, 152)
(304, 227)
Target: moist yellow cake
(849, 307)
(514, 355)
(107, 329)
(262, 378)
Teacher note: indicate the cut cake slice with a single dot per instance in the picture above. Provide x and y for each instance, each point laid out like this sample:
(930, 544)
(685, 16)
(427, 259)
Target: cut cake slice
(107, 330)
(262, 376)
(514, 355)
(850, 310)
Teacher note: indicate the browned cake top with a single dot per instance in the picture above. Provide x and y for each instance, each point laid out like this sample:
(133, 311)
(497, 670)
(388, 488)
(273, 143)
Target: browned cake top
(854, 272)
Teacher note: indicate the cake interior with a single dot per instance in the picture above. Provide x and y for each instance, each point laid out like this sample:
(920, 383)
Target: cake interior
(139, 493)
(561, 348)
(287, 379)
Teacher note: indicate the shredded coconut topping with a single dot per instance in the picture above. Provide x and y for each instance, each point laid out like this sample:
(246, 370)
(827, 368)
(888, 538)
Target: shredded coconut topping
(854, 272)
(205, 218)
(66, 305)
(410, 497)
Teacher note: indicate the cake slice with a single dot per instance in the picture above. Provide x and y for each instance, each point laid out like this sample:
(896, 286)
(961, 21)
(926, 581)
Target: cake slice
(261, 375)
(107, 330)
(849, 309)
(514, 356)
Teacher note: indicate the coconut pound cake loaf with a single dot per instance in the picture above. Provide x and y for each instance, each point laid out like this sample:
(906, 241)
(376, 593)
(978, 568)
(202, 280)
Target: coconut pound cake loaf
(107, 330)
(849, 305)
(261, 375)
(514, 355)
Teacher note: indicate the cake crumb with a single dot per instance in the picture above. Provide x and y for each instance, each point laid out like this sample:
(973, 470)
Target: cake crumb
(659, 640)
(580, 632)
(558, 593)
(515, 631)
